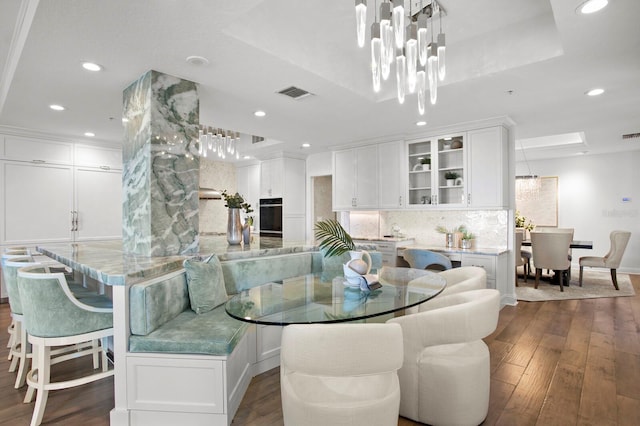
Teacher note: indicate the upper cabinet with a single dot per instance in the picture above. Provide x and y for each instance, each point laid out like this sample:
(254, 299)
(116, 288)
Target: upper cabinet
(459, 170)
(391, 182)
(271, 178)
(437, 171)
(95, 156)
(37, 151)
(487, 164)
(355, 178)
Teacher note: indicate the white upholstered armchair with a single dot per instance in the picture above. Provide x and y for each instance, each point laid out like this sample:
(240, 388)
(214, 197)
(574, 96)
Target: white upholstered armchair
(340, 374)
(444, 379)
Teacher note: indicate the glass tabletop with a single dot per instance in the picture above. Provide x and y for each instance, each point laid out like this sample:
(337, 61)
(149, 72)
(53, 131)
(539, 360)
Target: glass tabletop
(307, 299)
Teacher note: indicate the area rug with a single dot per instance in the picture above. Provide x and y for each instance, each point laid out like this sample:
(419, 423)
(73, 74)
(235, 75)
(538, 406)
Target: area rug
(595, 283)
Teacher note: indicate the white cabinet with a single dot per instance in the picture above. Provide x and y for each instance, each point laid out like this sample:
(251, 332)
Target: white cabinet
(248, 185)
(442, 181)
(53, 191)
(94, 156)
(271, 178)
(286, 178)
(98, 204)
(38, 203)
(488, 165)
(355, 178)
(391, 175)
(37, 151)
(388, 249)
(498, 275)
(478, 161)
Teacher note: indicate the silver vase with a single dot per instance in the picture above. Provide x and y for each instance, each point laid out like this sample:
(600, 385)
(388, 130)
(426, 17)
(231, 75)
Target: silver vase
(234, 227)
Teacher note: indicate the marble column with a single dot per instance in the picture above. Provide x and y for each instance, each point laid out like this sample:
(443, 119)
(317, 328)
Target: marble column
(161, 166)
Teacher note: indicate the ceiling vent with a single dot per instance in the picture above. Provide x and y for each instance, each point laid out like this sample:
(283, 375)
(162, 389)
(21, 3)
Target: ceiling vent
(256, 139)
(631, 136)
(295, 92)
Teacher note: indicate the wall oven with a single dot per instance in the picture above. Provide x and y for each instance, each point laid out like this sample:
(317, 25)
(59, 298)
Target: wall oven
(271, 217)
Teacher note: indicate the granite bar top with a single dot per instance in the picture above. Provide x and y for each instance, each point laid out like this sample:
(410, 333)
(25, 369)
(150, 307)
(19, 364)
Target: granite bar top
(107, 262)
(449, 250)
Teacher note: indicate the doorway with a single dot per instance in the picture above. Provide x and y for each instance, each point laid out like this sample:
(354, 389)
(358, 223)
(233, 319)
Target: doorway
(322, 206)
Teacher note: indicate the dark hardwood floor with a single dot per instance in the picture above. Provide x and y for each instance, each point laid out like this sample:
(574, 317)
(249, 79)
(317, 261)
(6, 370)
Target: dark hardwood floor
(574, 362)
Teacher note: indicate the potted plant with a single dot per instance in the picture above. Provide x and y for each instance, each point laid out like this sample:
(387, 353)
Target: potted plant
(334, 240)
(451, 178)
(426, 163)
(467, 239)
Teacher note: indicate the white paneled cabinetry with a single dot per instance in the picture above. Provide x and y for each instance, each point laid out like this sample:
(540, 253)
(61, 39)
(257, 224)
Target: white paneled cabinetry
(391, 182)
(478, 159)
(285, 178)
(58, 191)
(355, 178)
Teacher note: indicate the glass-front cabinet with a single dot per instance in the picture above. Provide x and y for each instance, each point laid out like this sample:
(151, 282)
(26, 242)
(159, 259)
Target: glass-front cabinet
(437, 171)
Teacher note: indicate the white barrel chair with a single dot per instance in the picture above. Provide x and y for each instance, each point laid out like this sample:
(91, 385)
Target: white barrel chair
(445, 376)
(340, 374)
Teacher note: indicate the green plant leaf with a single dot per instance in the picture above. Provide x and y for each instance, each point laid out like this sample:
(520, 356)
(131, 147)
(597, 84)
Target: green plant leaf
(332, 238)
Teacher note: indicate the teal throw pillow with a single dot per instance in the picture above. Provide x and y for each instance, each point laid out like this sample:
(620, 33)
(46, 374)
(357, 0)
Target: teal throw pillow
(205, 283)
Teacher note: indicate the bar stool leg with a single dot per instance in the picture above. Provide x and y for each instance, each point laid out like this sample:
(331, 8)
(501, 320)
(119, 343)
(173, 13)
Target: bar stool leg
(44, 371)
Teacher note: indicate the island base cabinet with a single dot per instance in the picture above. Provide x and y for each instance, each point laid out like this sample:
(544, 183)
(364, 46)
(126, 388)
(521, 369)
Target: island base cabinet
(497, 274)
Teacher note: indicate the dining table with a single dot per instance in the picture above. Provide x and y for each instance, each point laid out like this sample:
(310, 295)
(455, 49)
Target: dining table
(313, 299)
(575, 244)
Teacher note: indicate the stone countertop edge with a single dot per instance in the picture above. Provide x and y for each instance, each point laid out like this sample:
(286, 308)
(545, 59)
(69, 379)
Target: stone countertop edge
(108, 264)
(479, 250)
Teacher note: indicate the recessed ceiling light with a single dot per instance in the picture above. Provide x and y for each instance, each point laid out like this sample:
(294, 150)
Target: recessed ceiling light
(421, 123)
(247, 157)
(197, 60)
(448, 139)
(56, 107)
(259, 113)
(591, 6)
(595, 92)
(306, 145)
(89, 134)
(90, 66)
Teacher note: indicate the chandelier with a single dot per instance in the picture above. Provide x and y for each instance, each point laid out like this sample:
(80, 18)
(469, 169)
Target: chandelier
(527, 186)
(218, 142)
(419, 57)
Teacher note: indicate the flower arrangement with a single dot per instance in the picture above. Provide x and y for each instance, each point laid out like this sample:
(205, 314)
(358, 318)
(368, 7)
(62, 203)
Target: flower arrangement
(236, 201)
(523, 222)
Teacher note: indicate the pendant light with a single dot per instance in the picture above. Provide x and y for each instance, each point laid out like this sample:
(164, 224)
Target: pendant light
(421, 83)
(441, 50)
(398, 22)
(412, 56)
(422, 39)
(387, 50)
(432, 72)
(376, 53)
(401, 74)
(361, 20)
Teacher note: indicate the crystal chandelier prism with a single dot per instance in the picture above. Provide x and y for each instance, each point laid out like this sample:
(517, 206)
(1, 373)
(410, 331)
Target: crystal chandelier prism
(406, 38)
(217, 142)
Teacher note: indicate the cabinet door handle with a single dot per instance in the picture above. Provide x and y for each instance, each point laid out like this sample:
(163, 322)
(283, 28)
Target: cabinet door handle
(38, 161)
(105, 167)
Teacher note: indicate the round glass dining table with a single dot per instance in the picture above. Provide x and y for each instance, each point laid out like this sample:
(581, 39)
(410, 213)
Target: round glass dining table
(311, 299)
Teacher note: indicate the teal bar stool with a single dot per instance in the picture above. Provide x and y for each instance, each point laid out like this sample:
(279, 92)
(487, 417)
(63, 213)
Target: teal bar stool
(54, 317)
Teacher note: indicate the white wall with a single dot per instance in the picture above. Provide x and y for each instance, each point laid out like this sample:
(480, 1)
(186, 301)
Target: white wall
(590, 192)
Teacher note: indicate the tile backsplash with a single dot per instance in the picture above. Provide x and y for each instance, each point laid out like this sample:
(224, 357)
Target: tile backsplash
(489, 226)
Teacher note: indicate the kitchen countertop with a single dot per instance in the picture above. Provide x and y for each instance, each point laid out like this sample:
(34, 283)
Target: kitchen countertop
(389, 239)
(107, 262)
(447, 250)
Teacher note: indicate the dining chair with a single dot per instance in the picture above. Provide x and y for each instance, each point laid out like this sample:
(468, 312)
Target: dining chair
(340, 374)
(612, 259)
(54, 318)
(520, 259)
(445, 376)
(549, 250)
(426, 259)
(556, 229)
